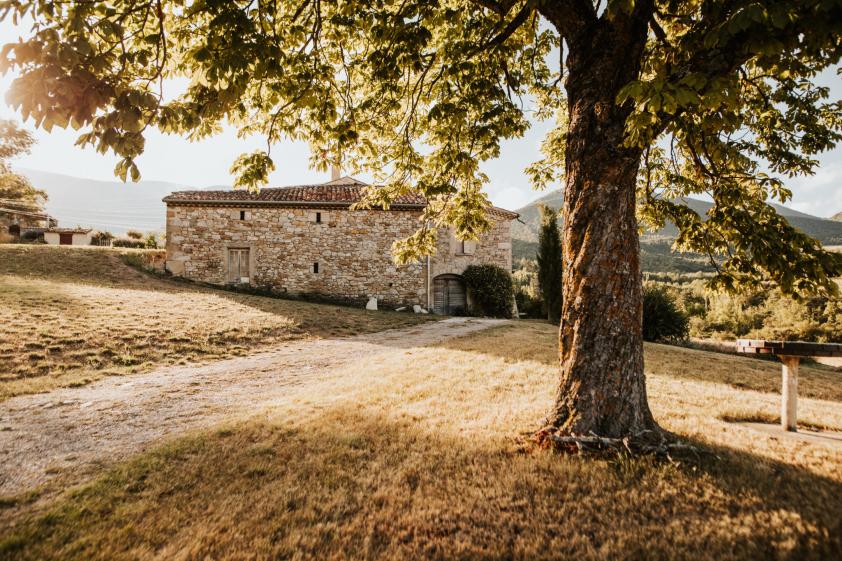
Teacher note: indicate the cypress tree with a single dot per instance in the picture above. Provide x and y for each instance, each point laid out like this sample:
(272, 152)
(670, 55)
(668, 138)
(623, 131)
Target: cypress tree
(549, 264)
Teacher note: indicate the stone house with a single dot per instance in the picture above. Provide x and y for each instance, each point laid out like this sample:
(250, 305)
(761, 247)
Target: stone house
(17, 219)
(306, 240)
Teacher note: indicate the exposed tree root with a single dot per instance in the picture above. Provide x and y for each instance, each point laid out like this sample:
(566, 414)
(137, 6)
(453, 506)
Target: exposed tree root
(646, 443)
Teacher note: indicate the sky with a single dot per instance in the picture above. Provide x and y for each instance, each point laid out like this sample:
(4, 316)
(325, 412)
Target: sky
(207, 162)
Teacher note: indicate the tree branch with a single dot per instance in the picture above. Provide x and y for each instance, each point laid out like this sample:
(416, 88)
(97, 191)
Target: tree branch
(570, 17)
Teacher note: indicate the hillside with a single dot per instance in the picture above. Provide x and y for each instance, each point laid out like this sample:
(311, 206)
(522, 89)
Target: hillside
(133, 321)
(837, 217)
(104, 205)
(655, 251)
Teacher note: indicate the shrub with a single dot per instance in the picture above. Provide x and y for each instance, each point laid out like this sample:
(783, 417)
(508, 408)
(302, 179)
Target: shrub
(151, 241)
(32, 236)
(134, 234)
(102, 238)
(662, 318)
(491, 288)
(529, 306)
(123, 242)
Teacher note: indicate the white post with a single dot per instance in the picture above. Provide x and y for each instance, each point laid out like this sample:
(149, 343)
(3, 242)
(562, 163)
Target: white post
(789, 393)
(334, 172)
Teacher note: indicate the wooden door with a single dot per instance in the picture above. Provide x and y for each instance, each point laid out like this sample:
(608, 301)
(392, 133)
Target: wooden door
(448, 294)
(238, 265)
(65, 239)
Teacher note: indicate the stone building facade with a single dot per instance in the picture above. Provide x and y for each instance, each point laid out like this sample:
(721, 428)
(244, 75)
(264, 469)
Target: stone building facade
(18, 219)
(306, 240)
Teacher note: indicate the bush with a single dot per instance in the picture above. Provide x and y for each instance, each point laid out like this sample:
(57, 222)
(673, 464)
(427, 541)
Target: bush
(32, 236)
(529, 306)
(491, 288)
(662, 318)
(102, 238)
(123, 242)
(151, 241)
(134, 234)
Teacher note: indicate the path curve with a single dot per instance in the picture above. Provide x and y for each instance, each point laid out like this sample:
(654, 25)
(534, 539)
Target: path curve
(79, 429)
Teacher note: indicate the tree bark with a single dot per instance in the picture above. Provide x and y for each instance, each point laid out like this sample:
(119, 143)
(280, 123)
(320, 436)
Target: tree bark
(602, 388)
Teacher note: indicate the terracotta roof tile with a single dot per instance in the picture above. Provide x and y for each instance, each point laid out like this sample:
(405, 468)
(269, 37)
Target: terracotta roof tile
(67, 230)
(345, 190)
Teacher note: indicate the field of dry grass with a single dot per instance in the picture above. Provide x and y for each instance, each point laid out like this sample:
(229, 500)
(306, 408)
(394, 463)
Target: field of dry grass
(417, 455)
(68, 316)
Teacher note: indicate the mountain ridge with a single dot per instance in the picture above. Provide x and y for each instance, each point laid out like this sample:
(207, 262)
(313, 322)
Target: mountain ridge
(825, 230)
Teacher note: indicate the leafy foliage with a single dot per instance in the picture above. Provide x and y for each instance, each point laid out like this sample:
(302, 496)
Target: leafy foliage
(491, 289)
(419, 93)
(765, 313)
(549, 264)
(663, 320)
(16, 191)
(102, 238)
(129, 242)
(527, 293)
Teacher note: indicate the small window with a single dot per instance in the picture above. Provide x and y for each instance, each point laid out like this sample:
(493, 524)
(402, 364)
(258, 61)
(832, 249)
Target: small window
(316, 267)
(468, 247)
(242, 215)
(318, 218)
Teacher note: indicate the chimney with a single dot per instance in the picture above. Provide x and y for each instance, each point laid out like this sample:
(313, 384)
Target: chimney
(334, 172)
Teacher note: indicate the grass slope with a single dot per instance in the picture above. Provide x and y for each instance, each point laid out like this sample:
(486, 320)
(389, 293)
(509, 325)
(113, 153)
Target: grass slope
(416, 455)
(71, 315)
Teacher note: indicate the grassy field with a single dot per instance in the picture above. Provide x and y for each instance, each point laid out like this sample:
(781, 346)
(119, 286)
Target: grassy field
(419, 454)
(69, 316)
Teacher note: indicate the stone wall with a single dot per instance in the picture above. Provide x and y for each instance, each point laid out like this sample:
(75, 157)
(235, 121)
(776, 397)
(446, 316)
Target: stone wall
(352, 249)
(25, 220)
(494, 248)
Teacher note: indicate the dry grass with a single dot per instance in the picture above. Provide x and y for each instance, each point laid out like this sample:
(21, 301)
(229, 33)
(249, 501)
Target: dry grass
(71, 315)
(413, 455)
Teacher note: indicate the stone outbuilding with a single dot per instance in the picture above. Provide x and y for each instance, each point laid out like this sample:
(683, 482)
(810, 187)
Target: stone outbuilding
(305, 240)
(18, 219)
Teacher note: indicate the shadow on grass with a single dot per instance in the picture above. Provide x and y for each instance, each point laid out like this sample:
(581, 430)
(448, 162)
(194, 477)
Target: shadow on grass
(537, 341)
(105, 267)
(347, 486)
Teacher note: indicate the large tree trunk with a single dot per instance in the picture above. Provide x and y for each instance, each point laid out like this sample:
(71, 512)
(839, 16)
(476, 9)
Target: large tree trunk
(602, 388)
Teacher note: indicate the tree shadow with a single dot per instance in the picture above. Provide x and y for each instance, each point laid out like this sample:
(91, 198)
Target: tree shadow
(349, 483)
(537, 341)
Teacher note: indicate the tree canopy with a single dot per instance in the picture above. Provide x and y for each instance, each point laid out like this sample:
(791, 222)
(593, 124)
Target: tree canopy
(420, 93)
(16, 191)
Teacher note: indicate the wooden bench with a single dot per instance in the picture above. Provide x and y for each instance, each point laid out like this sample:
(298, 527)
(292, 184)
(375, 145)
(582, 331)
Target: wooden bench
(790, 353)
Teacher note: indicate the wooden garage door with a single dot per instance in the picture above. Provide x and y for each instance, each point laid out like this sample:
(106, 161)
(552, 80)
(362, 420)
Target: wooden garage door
(448, 294)
(65, 239)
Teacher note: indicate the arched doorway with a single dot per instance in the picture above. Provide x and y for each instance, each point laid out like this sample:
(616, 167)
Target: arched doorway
(449, 295)
(14, 230)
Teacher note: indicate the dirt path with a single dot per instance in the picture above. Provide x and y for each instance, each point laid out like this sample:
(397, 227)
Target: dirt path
(77, 430)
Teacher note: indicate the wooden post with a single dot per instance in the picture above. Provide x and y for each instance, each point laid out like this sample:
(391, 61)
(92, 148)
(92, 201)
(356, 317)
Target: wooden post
(789, 393)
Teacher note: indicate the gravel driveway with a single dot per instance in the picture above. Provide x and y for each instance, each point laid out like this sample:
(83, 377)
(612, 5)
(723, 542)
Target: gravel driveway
(79, 430)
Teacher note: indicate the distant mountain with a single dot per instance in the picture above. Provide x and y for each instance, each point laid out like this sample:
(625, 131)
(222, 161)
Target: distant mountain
(837, 217)
(655, 251)
(104, 205)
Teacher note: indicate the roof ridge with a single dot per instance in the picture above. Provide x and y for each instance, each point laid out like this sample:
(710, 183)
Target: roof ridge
(330, 193)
